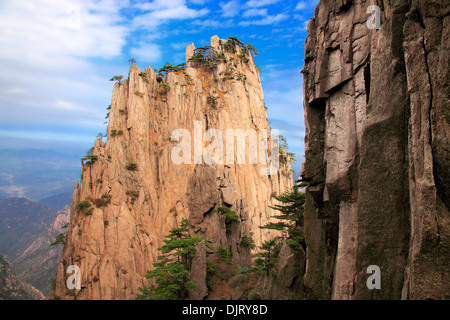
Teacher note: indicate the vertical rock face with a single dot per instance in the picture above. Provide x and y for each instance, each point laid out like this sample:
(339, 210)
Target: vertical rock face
(138, 193)
(377, 150)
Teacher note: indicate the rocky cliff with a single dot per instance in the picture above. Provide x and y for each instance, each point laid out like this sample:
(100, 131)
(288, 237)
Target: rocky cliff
(132, 191)
(376, 101)
(38, 262)
(12, 288)
(26, 231)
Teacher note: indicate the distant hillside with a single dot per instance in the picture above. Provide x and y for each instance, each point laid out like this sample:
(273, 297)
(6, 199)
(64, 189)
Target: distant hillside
(37, 174)
(11, 288)
(26, 231)
(21, 222)
(58, 202)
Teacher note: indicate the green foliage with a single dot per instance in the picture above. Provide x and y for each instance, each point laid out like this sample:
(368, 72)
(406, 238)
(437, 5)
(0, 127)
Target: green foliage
(165, 86)
(244, 270)
(132, 61)
(91, 158)
(266, 258)
(143, 75)
(88, 212)
(113, 133)
(82, 205)
(309, 57)
(243, 57)
(212, 100)
(229, 216)
(224, 254)
(232, 43)
(172, 282)
(248, 242)
(304, 71)
(133, 195)
(284, 155)
(171, 273)
(252, 50)
(292, 209)
(58, 239)
(117, 78)
(131, 166)
(162, 73)
(210, 266)
(241, 76)
(207, 56)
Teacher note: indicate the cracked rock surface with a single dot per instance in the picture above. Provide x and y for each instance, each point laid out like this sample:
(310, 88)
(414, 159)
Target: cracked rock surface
(377, 149)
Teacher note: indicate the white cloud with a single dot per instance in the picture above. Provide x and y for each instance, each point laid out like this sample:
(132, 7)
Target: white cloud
(146, 52)
(304, 27)
(159, 11)
(45, 51)
(254, 12)
(271, 19)
(198, 2)
(180, 45)
(213, 24)
(283, 95)
(230, 8)
(87, 29)
(301, 5)
(260, 3)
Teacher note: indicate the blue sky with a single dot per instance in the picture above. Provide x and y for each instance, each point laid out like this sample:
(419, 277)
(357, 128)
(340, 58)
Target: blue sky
(56, 59)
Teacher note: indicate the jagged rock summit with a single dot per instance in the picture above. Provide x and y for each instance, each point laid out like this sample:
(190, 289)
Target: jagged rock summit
(132, 192)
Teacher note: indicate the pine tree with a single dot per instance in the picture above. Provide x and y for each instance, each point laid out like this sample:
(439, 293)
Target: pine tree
(291, 208)
(117, 78)
(171, 273)
(58, 239)
(229, 216)
(266, 258)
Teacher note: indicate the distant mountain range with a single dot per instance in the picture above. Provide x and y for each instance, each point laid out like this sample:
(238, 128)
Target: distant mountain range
(37, 174)
(26, 230)
(57, 202)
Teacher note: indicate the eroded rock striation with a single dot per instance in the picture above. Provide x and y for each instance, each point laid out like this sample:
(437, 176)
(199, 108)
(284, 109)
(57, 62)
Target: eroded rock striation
(136, 192)
(377, 119)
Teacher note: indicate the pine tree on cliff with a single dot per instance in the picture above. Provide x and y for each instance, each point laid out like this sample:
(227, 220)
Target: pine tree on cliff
(171, 273)
(291, 208)
(266, 258)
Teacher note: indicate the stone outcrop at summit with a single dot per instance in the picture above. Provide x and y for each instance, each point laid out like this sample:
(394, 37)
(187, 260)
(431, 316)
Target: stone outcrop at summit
(134, 191)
